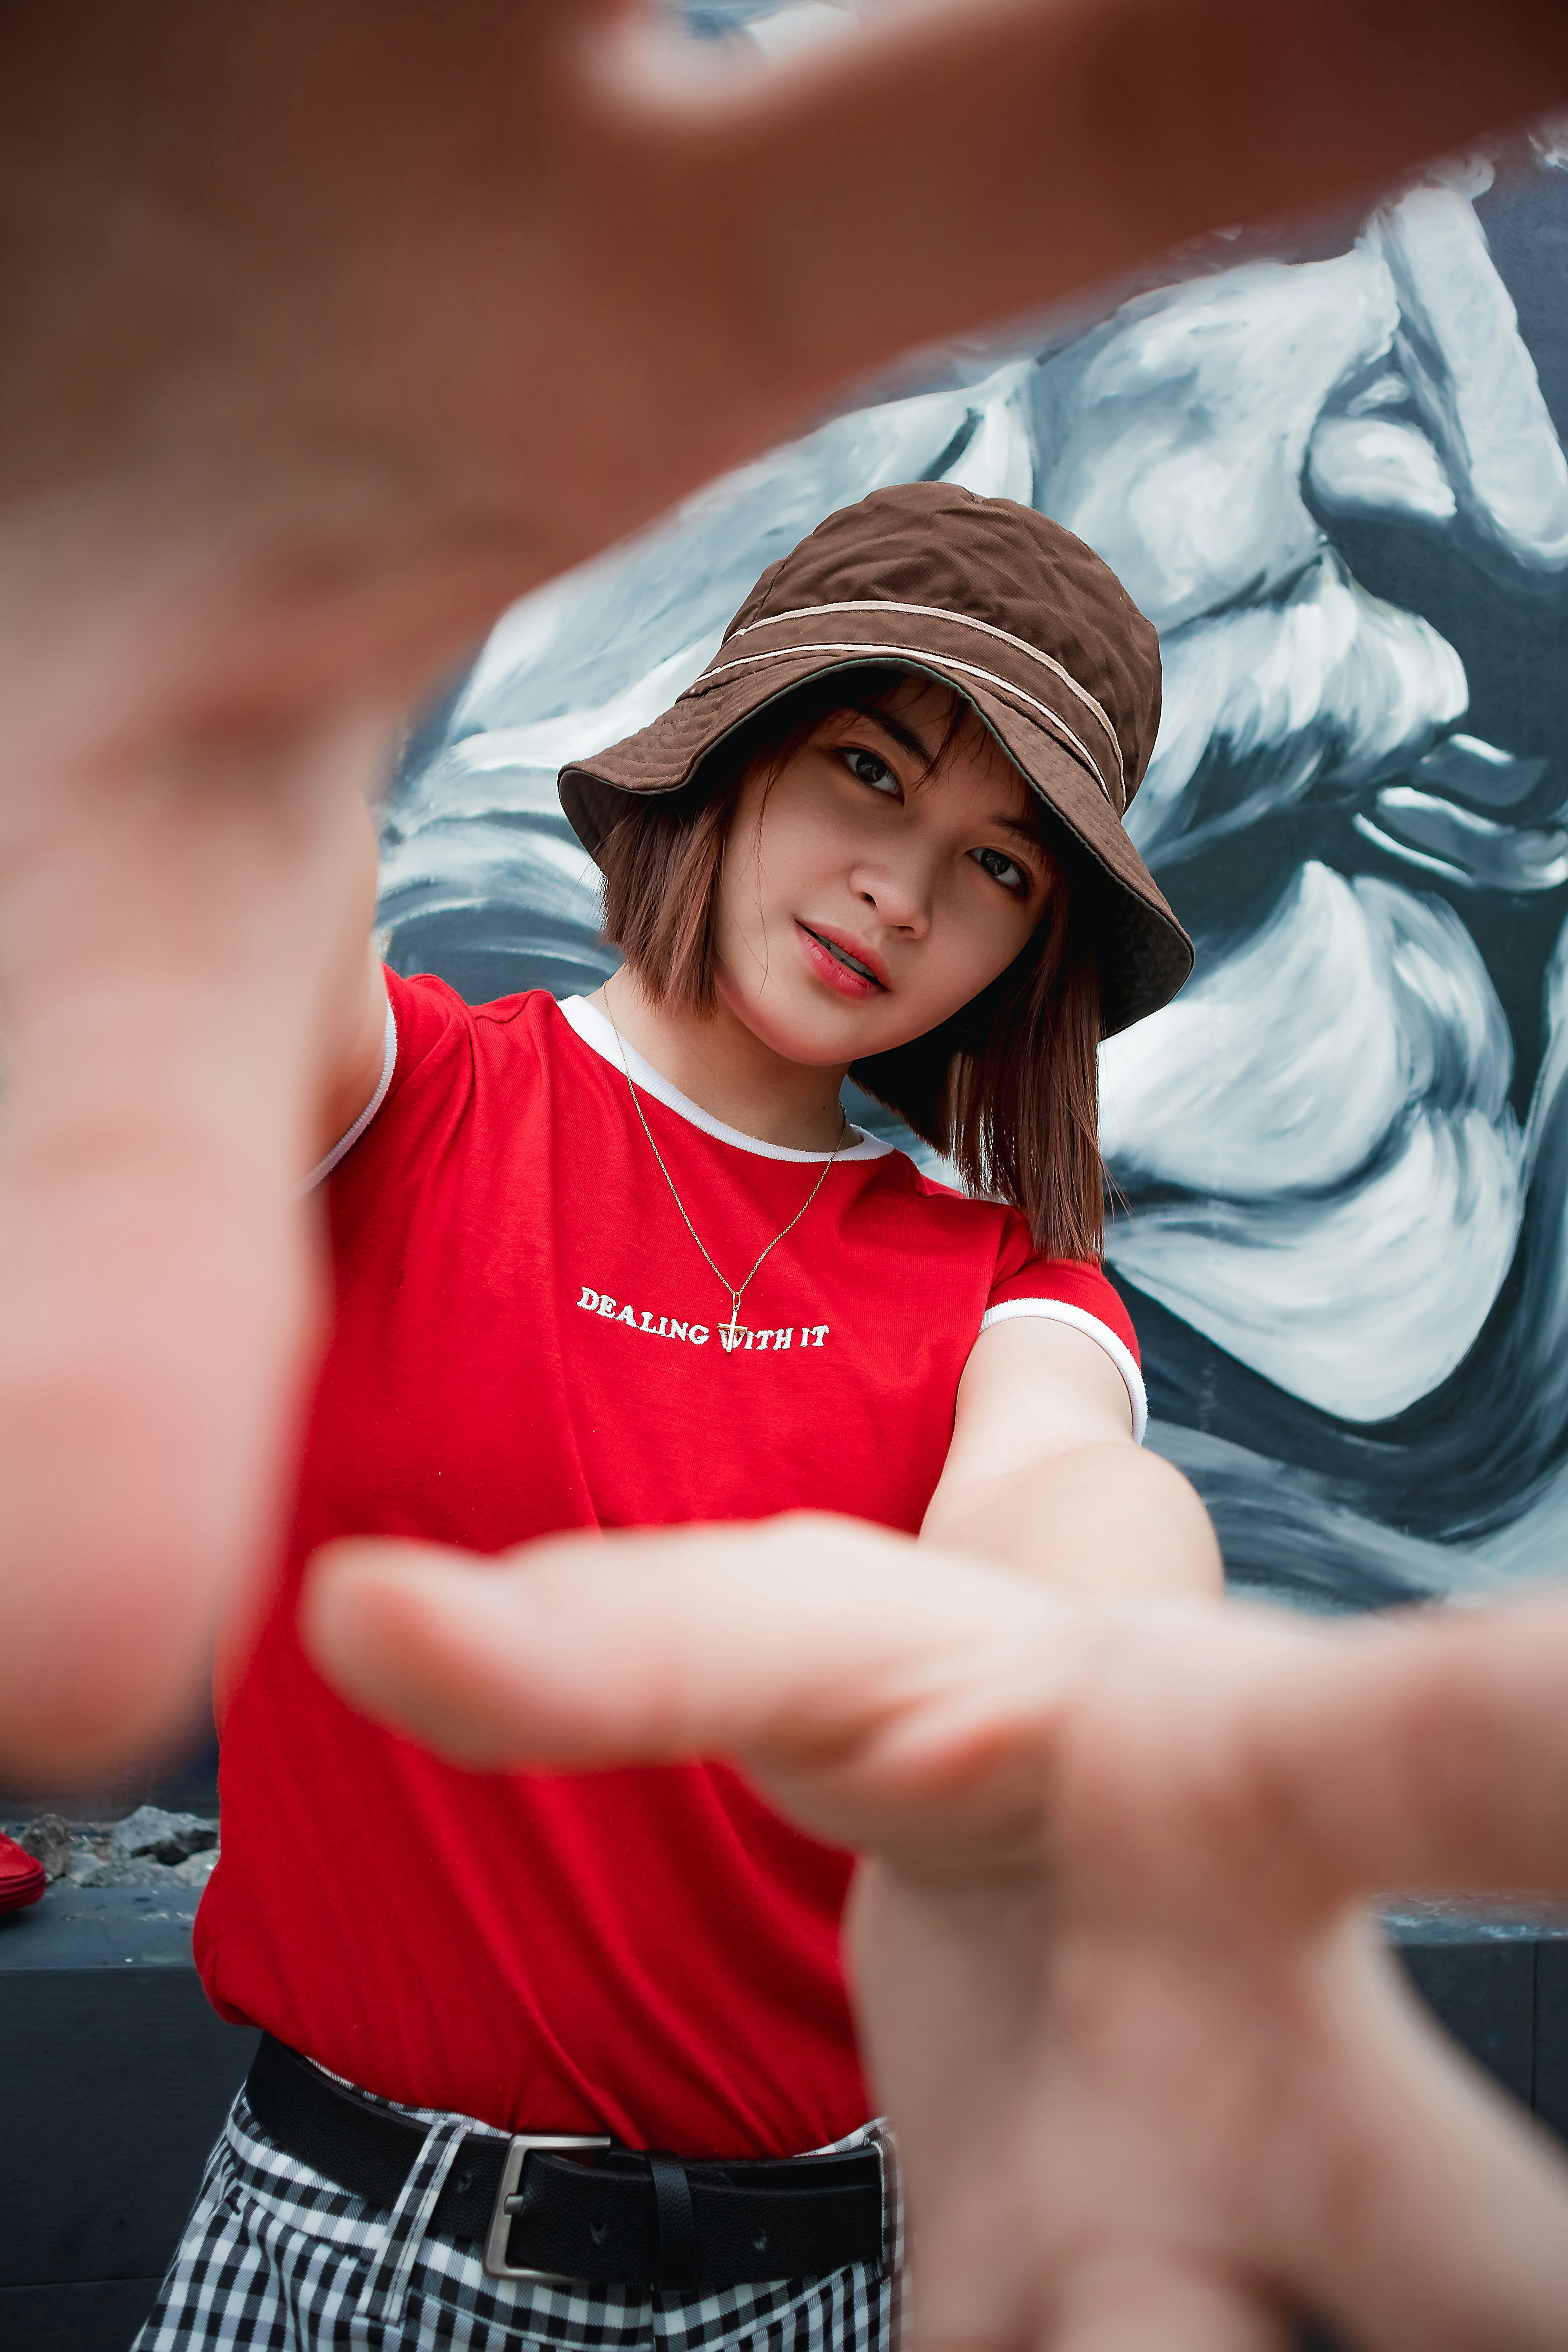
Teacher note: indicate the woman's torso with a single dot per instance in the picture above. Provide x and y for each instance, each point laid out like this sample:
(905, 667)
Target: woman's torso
(649, 1952)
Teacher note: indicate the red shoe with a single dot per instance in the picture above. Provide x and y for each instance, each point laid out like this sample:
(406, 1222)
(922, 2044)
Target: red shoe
(22, 1879)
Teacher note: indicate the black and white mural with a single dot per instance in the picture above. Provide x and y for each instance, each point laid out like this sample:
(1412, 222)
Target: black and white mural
(1332, 473)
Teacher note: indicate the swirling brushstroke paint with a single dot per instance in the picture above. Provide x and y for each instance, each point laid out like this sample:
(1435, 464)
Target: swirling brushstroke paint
(1347, 1254)
(1331, 1097)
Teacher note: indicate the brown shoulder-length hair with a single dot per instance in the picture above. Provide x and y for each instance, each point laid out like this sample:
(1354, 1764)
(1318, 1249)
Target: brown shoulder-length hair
(1007, 1087)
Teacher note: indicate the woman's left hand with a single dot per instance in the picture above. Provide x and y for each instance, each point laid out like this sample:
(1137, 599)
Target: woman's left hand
(1154, 2077)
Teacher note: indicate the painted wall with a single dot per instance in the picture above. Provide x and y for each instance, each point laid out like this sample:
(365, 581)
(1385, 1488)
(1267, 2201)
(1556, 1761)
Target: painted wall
(1332, 476)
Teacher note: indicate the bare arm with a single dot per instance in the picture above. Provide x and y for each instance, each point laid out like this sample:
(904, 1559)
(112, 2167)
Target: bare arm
(1043, 1475)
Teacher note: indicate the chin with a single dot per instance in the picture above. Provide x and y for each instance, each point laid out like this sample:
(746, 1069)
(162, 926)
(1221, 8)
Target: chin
(815, 1036)
(816, 1045)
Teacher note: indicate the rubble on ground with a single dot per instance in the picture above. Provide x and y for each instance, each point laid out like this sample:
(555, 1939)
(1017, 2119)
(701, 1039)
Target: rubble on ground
(149, 1848)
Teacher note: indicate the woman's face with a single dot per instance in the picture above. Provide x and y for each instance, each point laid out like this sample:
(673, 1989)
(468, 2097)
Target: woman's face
(862, 901)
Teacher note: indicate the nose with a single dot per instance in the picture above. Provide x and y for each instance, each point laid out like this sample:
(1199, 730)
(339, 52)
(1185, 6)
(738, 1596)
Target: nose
(897, 890)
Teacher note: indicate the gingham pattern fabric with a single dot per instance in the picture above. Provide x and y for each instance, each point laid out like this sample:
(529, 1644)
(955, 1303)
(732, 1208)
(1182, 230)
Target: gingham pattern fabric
(278, 2258)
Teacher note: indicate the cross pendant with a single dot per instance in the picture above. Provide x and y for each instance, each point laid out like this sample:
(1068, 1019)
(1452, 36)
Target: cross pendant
(734, 1331)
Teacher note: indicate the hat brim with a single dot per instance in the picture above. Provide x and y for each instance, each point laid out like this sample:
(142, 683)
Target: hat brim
(1144, 954)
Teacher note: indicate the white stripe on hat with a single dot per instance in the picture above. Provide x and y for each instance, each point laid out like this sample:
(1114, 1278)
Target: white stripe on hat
(966, 621)
(924, 658)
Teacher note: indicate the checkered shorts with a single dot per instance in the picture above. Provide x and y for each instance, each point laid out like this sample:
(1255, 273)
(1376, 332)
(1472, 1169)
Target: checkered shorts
(278, 2258)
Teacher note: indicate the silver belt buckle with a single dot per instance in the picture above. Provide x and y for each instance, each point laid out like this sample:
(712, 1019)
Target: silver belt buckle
(509, 2197)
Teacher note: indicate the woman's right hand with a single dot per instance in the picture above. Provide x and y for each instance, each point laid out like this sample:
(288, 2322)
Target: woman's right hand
(1155, 2078)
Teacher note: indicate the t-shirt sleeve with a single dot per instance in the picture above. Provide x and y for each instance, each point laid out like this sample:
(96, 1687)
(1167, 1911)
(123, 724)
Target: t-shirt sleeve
(420, 1013)
(1073, 1291)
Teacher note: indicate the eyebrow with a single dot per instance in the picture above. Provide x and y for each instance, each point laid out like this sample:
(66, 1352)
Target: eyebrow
(1022, 828)
(905, 737)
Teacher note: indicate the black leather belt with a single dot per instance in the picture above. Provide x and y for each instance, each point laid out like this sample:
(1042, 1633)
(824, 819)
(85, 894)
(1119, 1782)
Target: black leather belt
(559, 2206)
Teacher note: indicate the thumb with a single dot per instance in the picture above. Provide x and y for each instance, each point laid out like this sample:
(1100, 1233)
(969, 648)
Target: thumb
(948, 165)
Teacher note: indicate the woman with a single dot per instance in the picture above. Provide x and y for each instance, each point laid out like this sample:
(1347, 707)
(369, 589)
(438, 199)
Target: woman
(625, 1262)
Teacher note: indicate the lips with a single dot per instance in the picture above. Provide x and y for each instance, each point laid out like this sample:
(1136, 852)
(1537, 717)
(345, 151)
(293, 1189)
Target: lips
(844, 964)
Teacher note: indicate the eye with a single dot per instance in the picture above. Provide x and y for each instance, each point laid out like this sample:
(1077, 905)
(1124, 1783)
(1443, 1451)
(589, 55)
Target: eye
(867, 769)
(1004, 870)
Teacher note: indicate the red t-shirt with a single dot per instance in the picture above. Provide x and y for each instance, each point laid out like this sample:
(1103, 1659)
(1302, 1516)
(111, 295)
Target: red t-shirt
(526, 1340)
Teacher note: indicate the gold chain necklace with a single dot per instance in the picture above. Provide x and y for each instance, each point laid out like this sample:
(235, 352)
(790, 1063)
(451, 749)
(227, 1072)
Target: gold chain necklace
(730, 1334)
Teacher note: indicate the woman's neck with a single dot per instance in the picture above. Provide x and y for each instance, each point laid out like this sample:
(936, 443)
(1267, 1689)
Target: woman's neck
(726, 1069)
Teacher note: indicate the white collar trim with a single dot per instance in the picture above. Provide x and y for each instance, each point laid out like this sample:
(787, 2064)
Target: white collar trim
(590, 1025)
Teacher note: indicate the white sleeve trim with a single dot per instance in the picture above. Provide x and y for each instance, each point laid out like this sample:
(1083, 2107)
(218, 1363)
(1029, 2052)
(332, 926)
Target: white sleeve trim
(1078, 1318)
(345, 1143)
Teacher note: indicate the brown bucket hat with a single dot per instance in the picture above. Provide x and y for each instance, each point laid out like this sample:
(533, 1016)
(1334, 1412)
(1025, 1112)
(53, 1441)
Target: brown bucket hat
(1017, 615)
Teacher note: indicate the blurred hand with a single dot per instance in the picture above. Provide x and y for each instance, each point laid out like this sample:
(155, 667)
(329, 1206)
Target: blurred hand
(1155, 2080)
(327, 330)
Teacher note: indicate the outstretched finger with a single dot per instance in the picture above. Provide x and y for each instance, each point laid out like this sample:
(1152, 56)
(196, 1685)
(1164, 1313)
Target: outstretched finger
(852, 1669)
(1396, 2188)
(1006, 152)
(1428, 1753)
